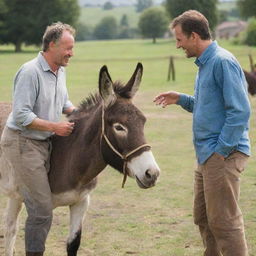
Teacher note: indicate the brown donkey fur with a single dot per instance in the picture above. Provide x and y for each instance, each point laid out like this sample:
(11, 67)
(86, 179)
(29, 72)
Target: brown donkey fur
(76, 160)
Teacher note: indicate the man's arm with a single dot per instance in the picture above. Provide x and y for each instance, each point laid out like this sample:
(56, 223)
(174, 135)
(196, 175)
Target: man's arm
(167, 98)
(59, 128)
(25, 94)
(172, 97)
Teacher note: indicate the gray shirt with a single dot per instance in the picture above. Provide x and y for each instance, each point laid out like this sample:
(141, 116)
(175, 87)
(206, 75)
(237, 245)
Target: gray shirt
(38, 93)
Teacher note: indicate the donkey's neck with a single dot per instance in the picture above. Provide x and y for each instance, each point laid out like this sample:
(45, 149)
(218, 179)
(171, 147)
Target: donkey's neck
(77, 159)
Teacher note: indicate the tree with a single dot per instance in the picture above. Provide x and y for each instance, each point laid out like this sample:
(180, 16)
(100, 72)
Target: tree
(3, 10)
(250, 38)
(247, 7)
(206, 7)
(223, 16)
(143, 4)
(108, 6)
(153, 23)
(21, 25)
(83, 32)
(124, 21)
(124, 30)
(106, 29)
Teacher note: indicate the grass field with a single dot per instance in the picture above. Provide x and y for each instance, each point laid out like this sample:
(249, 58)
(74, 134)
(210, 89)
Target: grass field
(91, 16)
(131, 221)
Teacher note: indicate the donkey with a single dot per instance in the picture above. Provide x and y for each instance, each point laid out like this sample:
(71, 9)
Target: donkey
(251, 81)
(108, 131)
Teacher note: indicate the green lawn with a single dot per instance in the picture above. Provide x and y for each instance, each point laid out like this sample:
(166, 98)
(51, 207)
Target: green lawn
(131, 221)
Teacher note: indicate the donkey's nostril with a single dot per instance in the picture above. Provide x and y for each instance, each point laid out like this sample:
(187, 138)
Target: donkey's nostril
(148, 175)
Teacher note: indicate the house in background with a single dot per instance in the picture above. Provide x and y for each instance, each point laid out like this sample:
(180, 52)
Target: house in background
(229, 29)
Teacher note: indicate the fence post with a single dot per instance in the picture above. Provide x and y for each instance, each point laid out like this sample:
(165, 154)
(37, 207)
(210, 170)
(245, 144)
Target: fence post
(171, 69)
(251, 63)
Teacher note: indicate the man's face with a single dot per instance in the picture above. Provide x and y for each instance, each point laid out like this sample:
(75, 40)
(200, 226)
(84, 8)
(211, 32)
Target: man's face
(188, 44)
(63, 49)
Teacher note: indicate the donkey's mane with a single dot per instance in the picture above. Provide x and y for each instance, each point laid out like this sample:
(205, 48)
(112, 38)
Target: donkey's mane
(95, 99)
(89, 102)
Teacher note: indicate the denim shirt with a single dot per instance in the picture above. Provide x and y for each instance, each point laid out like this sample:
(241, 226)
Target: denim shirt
(220, 105)
(38, 92)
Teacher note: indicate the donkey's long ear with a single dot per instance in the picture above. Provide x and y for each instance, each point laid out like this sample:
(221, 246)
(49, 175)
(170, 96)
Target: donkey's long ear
(133, 85)
(106, 86)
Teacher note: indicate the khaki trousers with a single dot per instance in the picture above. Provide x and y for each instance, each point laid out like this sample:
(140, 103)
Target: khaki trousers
(29, 161)
(216, 209)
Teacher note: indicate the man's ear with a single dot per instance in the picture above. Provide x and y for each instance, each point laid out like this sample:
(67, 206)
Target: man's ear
(51, 44)
(194, 35)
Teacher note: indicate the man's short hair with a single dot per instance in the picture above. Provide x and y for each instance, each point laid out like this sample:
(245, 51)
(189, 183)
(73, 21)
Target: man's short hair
(54, 32)
(193, 21)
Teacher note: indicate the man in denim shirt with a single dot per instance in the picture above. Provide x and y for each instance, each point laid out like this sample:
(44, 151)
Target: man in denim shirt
(221, 112)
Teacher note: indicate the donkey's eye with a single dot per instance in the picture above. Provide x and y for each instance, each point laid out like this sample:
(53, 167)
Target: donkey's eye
(119, 128)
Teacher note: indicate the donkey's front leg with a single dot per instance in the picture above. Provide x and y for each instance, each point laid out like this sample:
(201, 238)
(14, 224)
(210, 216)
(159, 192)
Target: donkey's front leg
(77, 213)
(11, 224)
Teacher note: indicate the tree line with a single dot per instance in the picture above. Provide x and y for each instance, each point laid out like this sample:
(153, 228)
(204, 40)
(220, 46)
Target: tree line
(24, 21)
(153, 21)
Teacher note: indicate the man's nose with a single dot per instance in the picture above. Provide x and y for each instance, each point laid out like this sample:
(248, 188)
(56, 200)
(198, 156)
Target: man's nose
(71, 53)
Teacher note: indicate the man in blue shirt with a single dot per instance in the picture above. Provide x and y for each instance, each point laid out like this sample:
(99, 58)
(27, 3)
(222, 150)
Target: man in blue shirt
(221, 112)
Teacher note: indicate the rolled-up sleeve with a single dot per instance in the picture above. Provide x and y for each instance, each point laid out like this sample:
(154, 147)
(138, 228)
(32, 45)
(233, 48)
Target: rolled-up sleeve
(24, 97)
(67, 103)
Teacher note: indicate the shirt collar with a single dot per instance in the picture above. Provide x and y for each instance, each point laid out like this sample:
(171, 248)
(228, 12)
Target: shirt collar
(207, 53)
(43, 62)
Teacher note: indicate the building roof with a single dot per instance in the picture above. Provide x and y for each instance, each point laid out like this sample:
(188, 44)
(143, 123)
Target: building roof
(230, 28)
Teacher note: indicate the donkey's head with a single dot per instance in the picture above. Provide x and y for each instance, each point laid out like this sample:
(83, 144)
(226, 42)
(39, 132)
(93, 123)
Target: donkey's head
(123, 143)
